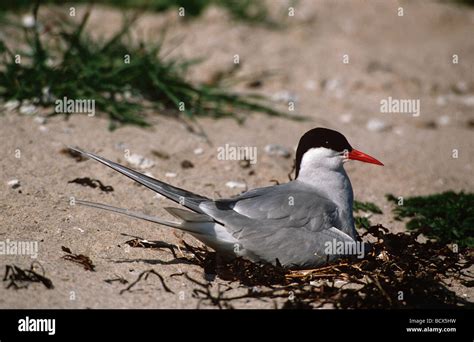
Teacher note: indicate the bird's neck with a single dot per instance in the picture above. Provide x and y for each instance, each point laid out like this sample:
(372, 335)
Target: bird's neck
(335, 185)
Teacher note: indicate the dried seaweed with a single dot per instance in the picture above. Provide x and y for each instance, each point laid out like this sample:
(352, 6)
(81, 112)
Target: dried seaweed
(160, 154)
(93, 183)
(120, 279)
(186, 164)
(19, 278)
(140, 243)
(398, 272)
(78, 259)
(144, 275)
(204, 293)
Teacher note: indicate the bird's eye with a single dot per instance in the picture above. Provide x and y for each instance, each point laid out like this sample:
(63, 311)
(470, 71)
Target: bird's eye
(327, 142)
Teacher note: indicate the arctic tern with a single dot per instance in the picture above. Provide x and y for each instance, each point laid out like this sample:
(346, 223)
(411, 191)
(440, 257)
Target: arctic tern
(288, 224)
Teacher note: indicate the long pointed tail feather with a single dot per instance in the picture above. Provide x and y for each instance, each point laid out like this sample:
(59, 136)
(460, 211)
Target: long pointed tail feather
(133, 214)
(181, 196)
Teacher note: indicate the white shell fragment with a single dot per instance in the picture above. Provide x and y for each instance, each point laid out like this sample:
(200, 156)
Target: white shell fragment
(285, 96)
(198, 151)
(234, 184)
(139, 161)
(11, 105)
(28, 109)
(28, 21)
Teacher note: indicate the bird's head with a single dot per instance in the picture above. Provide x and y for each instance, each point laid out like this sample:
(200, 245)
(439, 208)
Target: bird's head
(326, 148)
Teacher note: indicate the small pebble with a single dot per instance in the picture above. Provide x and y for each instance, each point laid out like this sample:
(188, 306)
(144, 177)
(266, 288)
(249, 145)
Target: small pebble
(198, 151)
(277, 150)
(443, 120)
(14, 183)
(11, 105)
(28, 21)
(460, 87)
(332, 84)
(376, 125)
(335, 87)
(50, 62)
(285, 96)
(398, 130)
(40, 119)
(46, 95)
(234, 184)
(127, 94)
(140, 161)
(244, 164)
(28, 109)
(170, 174)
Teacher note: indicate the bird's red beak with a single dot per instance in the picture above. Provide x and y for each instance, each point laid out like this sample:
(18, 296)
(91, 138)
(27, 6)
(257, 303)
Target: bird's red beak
(361, 156)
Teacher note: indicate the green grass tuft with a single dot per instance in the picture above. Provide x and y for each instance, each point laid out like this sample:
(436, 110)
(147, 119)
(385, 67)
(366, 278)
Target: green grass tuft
(362, 222)
(366, 206)
(447, 217)
(369, 207)
(66, 62)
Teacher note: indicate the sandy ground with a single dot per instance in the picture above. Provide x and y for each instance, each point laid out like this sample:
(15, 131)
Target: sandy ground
(407, 57)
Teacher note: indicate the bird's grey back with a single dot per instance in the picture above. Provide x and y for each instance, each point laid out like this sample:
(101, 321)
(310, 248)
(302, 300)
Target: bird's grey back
(290, 222)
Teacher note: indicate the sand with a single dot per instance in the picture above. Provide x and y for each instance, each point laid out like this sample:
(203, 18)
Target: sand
(407, 57)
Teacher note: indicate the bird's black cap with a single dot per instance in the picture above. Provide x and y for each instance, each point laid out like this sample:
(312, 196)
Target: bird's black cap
(320, 137)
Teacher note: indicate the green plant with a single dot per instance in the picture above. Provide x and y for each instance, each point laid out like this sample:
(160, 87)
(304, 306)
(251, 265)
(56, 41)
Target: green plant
(447, 217)
(79, 67)
(366, 206)
(363, 221)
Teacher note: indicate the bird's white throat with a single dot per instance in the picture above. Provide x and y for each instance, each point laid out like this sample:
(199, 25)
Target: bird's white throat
(323, 170)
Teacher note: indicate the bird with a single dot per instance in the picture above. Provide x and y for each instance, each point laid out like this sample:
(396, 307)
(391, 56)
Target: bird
(290, 225)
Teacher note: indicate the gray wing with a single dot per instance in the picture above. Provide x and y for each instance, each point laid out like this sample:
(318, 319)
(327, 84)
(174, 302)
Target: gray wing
(289, 222)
